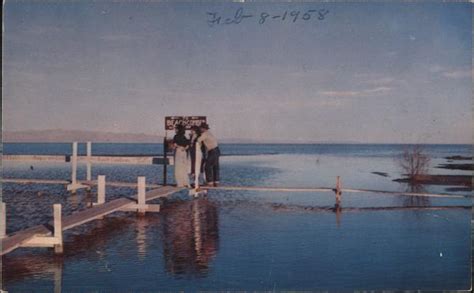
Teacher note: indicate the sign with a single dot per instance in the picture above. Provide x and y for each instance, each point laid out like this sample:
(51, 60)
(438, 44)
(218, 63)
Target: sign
(186, 121)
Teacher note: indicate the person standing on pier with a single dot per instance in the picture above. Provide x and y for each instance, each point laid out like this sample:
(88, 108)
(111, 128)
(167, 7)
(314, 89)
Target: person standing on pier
(181, 162)
(212, 162)
(195, 134)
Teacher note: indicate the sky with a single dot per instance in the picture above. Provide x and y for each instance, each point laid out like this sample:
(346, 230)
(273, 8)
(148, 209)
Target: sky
(365, 73)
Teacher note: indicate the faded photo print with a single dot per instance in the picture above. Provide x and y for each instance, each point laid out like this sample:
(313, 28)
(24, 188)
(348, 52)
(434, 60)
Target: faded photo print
(236, 146)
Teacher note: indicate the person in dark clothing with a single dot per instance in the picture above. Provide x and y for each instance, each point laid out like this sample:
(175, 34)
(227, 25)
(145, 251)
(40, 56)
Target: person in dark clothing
(180, 138)
(213, 153)
(195, 134)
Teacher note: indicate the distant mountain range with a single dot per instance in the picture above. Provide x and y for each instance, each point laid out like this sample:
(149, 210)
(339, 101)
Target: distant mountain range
(60, 135)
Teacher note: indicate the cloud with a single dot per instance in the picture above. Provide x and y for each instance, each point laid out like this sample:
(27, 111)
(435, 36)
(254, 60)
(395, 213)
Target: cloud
(118, 37)
(377, 80)
(392, 53)
(457, 73)
(381, 81)
(451, 73)
(436, 68)
(358, 93)
(44, 29)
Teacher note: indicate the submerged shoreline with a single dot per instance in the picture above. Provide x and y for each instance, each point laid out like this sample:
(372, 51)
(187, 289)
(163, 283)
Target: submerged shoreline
(450, 180)
(463, 180)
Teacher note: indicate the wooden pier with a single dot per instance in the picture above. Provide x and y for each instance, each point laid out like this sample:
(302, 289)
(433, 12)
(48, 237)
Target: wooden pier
(338, 191)
(105, 159)
(75, 184)
(43, 236)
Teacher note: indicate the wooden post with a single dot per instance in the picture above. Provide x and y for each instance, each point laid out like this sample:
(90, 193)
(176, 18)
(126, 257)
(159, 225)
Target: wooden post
(89, 164)
(165, 158)
(101, 189)
(74, 165)
(74, 185)
(58, 228)
(141, 194)
(3, 220)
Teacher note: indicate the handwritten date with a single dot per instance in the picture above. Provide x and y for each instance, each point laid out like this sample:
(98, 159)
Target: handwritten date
(292, 16)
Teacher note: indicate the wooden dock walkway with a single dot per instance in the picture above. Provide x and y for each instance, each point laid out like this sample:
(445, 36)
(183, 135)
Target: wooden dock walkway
(18, 239)
(66, 182)
(328, 189)
(40, 235)
(75, 184)
(105, 159)
(95, 212)
(242, 188)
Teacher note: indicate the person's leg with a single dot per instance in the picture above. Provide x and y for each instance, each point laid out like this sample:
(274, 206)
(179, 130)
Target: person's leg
(216, 170)
(192, 153)
(210, 163)
(209, 170)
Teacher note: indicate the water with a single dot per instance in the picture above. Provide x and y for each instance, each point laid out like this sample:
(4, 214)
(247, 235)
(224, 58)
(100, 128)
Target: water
(242, 240)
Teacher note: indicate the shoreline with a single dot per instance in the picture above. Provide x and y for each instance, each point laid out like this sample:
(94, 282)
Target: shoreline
(449, 180)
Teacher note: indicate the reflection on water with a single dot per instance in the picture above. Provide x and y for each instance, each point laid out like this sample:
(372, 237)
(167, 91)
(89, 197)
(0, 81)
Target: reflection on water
(84, 244)
(338, 211)
(142, 224)
(191, 235)
(411, 201)
(273, 241)
(189, 239)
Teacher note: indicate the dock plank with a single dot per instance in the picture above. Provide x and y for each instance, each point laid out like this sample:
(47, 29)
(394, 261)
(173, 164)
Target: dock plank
(17, 239)
(49, 158)
(105, 159)
(34, 181)
(99, 211)
(116, 184)
(277, 189)
(96, 212)
(163, 191)
(328, 189)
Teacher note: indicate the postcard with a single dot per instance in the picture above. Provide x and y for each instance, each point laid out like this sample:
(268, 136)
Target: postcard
(236, 146)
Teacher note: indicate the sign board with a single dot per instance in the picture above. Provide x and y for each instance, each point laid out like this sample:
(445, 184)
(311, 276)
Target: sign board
(186, 121)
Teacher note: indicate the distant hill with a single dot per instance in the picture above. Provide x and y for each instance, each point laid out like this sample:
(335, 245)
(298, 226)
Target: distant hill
(60, 135)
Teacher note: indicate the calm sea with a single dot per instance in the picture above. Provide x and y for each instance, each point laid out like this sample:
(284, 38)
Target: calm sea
(243, 240)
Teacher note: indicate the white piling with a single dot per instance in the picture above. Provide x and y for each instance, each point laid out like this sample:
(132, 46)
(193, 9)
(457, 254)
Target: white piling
(89, 164)
(74, 185)
(74, 164)
(58, 228)
(3, 220)
(101, 189)
(141, 194)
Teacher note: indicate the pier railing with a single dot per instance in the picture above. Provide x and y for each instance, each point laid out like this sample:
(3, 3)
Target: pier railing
(75, 184)
(43, 236)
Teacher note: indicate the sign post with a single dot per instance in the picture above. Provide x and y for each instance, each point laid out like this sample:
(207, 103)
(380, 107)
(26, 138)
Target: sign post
(170, 124)
(165, 158)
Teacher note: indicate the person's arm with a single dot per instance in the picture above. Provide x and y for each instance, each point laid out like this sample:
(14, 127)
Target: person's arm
(199, 140)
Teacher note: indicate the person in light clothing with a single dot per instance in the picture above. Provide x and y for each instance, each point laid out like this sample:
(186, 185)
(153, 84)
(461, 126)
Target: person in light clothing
(181, 162)
(212, 162)
(195, 134)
